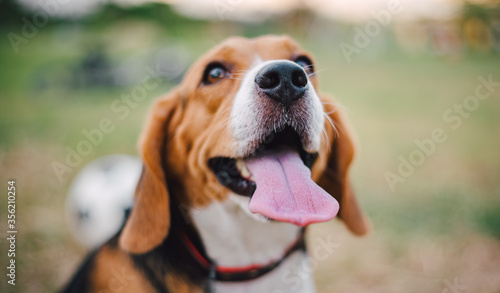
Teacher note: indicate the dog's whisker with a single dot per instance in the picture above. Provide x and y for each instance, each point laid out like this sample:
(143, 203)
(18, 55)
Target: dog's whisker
(335, 107)
(331, 123)
(327, 139)
(346, 109)
(331, 112)
(320, 70)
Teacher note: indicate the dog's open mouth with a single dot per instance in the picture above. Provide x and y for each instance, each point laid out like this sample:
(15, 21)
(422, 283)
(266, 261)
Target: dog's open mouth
(277, 177)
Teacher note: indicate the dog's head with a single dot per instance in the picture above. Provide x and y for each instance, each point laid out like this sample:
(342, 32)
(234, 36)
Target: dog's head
(247, 119)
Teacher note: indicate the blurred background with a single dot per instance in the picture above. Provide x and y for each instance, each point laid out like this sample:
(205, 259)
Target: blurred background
(420, 81)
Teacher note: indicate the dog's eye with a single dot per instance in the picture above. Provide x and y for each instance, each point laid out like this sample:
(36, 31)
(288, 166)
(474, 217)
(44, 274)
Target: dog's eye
(214, 72)
(305, 63)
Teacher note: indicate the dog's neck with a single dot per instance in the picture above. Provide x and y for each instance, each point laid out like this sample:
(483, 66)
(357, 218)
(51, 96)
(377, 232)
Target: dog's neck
(233, 237)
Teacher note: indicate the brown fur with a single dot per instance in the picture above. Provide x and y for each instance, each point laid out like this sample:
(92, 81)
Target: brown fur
(186, 128)
(114, 272)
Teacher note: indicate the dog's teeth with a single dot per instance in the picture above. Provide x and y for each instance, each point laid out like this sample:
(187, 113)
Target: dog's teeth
(246, 174)
(242, 167)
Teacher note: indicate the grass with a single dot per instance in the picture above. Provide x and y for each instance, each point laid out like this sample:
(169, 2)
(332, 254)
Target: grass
(442, 223)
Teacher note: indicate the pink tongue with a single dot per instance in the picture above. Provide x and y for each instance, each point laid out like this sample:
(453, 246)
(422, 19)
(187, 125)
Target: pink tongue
(285, 191)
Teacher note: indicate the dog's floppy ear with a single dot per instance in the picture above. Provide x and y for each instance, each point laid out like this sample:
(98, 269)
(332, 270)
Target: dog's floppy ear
(335, 179)
(149, 221)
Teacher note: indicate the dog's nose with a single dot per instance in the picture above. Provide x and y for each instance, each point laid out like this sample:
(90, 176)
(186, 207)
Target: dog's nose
(284, 82)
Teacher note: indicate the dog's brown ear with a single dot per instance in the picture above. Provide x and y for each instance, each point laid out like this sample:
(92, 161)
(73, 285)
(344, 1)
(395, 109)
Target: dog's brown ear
(335, 179)
(149, 221)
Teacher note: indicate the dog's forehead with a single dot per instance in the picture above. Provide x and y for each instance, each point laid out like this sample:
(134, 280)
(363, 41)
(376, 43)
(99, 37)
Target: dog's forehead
(277, 47)
(244, 51)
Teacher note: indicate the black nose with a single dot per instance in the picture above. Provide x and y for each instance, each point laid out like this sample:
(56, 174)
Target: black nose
(284, 82)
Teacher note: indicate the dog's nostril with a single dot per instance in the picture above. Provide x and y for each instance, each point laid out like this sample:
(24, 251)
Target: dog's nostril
(268, 80)
(282, 81)
(299, 78)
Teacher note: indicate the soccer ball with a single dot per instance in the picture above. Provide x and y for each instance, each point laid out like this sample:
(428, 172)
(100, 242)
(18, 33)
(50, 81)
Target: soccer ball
(100, 198)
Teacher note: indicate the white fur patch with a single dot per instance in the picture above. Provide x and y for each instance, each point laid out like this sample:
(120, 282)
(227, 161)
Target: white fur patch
(247, 118)
(234, 237)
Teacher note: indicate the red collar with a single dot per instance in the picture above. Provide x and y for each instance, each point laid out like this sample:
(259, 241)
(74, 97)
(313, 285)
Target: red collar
(243, 273)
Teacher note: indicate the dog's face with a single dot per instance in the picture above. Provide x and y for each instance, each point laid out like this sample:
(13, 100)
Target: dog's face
(247, 119)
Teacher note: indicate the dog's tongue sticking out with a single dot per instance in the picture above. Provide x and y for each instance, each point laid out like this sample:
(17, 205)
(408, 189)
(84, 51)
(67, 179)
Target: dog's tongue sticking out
(285, 191)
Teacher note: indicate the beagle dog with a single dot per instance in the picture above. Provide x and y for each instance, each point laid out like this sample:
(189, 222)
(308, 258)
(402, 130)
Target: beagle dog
(237, 160)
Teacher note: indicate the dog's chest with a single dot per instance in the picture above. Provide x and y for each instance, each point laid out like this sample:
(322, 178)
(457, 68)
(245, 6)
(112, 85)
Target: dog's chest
(233, 237)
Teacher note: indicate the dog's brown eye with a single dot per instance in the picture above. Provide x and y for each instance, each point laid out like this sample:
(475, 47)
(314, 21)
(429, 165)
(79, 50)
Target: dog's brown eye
(213, 73)
(305, 63)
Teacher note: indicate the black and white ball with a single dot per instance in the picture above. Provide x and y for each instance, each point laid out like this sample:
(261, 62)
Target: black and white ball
(100, 197)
